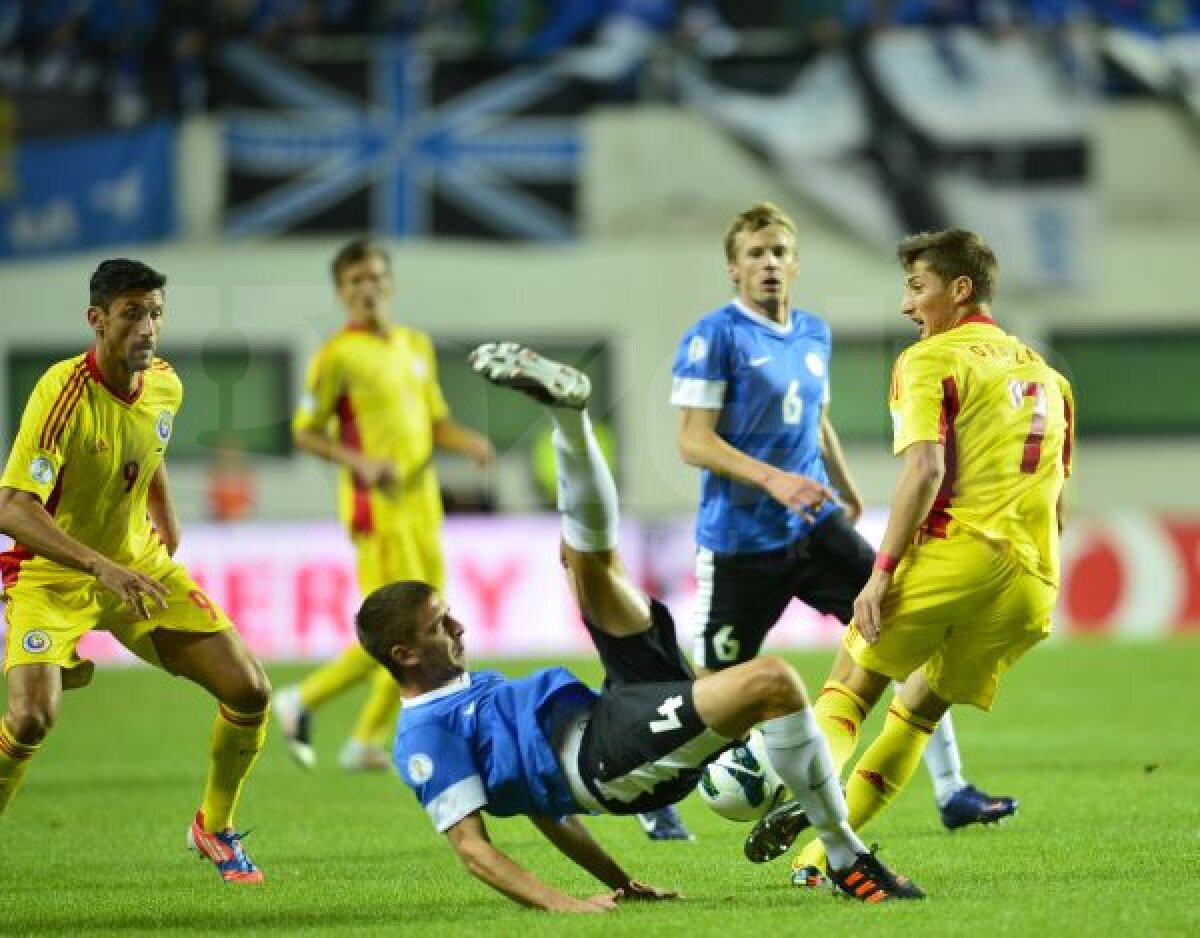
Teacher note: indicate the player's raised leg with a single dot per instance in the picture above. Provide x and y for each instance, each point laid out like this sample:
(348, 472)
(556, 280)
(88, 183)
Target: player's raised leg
(221, 664)
(587, 498)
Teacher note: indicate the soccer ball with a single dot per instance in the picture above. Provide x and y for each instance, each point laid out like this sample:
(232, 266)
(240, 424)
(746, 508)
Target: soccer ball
(741, 785)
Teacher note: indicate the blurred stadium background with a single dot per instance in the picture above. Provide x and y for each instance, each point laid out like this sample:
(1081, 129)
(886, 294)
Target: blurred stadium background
(562, 172)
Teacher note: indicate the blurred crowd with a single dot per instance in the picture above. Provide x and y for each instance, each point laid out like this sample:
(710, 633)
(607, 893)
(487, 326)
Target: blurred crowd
(123, 48)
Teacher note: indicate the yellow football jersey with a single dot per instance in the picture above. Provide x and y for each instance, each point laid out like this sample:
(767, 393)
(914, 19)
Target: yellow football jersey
(89, 452)
(1007, 421)
(379, 395)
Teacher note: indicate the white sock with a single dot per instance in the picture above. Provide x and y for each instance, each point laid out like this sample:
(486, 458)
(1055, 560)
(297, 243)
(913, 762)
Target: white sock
(800, 755)
(587, 494)
(943, 762)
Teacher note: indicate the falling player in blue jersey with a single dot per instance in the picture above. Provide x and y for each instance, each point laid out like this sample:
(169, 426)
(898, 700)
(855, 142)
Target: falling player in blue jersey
(549, 747)
(752, 382)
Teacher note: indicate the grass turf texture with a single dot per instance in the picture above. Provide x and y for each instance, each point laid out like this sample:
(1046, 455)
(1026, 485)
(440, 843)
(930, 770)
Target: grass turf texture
(1099, 742)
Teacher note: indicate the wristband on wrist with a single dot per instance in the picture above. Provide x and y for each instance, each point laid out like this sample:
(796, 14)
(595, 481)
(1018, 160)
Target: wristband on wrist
(886, 562)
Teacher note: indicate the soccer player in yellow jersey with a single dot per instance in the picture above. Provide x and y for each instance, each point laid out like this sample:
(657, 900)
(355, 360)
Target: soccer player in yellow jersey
(372, 405)
(967, 574)
(84, 496)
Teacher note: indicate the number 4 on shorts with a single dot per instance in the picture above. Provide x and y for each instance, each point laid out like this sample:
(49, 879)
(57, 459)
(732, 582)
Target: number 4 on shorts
(670, 716)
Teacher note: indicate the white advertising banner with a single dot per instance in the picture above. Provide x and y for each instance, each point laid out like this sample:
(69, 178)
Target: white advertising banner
(292, 591)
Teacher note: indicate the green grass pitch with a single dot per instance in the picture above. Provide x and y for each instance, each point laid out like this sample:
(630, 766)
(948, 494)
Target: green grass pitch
(1099, 741)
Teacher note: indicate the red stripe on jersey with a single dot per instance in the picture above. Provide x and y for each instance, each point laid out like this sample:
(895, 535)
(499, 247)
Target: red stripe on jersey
(361, 521)
(939, 515)
(78, 376)
(11, 560)
(130, 398)
(10, 563)
(1070, 436)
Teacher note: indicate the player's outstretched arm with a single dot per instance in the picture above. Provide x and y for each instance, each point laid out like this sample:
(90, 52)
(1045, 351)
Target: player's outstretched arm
(487, 863)
(453, 437)
(161, 508)
(377, 473)
(576, 843)
(920, 478)
(26, 521)
(701, 446)
(839, 469)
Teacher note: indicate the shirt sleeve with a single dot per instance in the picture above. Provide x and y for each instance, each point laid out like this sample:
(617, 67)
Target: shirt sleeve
(921, 381)
(322, 386)
(1069, 434)
(828, 353)
(439, 766)
(434, 399)
(37, 457)
(702, 368)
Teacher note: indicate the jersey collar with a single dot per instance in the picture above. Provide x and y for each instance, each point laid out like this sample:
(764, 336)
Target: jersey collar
(977, 319)
(765, 321)
(93, 367)
(462, 682)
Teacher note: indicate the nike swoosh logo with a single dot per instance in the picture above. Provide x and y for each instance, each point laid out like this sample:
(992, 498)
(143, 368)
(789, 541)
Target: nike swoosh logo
(756, 362)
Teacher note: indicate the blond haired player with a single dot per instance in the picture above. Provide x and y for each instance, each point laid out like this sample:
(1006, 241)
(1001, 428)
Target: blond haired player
(372, 405)
(967, 574)
(84, 496)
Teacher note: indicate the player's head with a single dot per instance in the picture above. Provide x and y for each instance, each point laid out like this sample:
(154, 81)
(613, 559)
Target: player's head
(125, 309)
(362, 276)
(948, 274)
(407, 627)
(760, 248)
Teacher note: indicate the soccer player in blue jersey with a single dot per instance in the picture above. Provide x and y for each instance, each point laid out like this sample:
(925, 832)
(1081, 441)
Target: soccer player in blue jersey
(549, 747)
(751, 380)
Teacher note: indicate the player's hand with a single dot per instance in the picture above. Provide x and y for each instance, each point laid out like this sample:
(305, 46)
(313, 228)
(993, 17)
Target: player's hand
(136, 590)
(867, 617)
(799, 493)
(481, 452)
(853, 506)
(376, 473)
(637, 891)
(593, 905)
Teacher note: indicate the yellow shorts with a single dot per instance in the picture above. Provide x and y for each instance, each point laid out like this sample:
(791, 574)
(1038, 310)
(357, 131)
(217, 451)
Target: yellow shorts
(962, 610)
(46, 620)
(399, 555)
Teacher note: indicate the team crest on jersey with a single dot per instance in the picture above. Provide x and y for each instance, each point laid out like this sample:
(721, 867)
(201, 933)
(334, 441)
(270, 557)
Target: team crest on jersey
(41, 470)
(420, 768)
(697, 348)
(36, 642)
(816, 364)
(420, 369)
(163, 426)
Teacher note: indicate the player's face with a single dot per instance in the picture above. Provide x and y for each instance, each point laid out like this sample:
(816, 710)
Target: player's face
(128, 329)
(763, 268)
(439, 641)
(365, 289)
(931, 303)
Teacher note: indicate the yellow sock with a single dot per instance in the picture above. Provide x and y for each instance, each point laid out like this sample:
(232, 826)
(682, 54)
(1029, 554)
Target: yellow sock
(840, 712)
(342, 673)
(237, 739)
(887, 765)
(376, 722)
(14, 759)
(880, 774)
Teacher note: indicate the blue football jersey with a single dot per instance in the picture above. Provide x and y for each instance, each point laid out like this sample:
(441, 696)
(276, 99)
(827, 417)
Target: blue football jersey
(480, 742)
(770, 383)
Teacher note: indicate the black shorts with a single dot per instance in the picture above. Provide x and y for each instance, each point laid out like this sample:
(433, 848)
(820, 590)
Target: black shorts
(645, 746)
(742, 596)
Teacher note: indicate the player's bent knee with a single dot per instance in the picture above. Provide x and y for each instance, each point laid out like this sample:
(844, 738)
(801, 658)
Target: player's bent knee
(253, 693)
(781, 687)
(30, 724)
